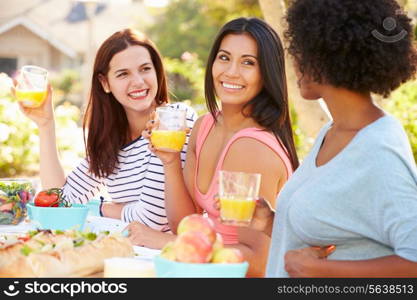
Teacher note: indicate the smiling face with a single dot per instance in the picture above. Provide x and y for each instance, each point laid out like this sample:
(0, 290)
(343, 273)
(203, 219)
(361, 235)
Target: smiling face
(132, 80)
(236, 73)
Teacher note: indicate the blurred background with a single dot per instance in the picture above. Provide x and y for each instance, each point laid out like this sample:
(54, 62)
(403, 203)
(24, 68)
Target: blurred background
(63, 36)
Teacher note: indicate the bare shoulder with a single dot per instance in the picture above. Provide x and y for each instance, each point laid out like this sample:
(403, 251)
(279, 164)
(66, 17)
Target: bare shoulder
(255, 155)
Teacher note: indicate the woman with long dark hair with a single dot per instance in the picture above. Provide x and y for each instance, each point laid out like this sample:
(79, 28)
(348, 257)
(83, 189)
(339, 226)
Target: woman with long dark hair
(250, 133)
(128, 83)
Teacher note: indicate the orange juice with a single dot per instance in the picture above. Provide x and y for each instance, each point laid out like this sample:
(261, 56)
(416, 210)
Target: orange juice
(236, 211)
(168, 140)
(32, 98)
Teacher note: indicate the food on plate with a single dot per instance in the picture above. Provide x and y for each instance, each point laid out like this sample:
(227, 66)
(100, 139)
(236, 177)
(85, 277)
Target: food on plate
(51, 198)
(71, 253)
(198, 242)
(14, 194)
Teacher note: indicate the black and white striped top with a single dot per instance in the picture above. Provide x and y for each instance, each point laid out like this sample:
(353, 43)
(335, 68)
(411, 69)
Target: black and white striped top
(138, 180)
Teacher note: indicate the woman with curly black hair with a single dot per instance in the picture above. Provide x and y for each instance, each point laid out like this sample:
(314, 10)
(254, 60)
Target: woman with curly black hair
(350, 209)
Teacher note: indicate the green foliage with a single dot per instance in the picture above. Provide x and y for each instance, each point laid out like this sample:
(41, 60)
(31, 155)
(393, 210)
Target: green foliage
(403, 105)
(17, 133)
(186, 78)
(224, 11)
(186, 81)
(67, 84)
(191, 25)
(183, 27)
(302, 142)
(66, 81)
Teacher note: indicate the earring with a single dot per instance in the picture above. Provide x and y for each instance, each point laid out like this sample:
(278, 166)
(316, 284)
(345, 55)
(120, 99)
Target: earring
(106, 91)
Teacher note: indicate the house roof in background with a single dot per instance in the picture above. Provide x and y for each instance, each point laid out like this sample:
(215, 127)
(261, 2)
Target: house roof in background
(64, 24)
(36, 29)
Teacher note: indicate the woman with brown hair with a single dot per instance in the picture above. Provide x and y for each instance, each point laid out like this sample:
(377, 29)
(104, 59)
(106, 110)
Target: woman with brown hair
(251, 133)
(128, 83)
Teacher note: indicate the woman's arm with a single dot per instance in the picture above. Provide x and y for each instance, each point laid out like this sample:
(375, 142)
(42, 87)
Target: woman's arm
(263, 217)
(254, 246)
(179, 184)
(308, 262)
(178, 200)
(51, 172)
(255, 243)
(142, 235)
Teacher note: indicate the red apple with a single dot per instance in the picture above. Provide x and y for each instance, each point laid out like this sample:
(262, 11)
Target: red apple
(227, 255)
(218, 244)
(168, 251)
(196, 222)
(193, 247)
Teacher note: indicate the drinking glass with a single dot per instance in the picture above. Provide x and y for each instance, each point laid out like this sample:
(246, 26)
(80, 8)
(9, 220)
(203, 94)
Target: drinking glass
(122, 267)
(169, 135)
(238, 192)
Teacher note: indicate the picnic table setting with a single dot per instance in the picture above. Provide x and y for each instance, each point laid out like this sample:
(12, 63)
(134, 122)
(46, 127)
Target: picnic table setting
(42, 235)
(64, 241)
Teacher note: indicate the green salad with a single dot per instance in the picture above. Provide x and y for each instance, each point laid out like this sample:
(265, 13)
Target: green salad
(14, 195)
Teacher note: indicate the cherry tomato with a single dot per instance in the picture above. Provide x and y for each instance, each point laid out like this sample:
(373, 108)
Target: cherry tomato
(51, 198)
(47, 199)
(24, 238)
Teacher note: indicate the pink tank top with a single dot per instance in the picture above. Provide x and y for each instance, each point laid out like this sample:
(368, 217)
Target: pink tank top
(206, 201)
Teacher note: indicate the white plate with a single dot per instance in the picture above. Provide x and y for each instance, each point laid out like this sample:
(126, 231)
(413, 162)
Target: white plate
(145, 253)
(22, 227)
(97, 224)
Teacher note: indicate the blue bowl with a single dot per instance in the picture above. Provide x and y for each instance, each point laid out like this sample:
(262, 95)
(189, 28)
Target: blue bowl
(94, 207)
(169, 268)
(58, 218)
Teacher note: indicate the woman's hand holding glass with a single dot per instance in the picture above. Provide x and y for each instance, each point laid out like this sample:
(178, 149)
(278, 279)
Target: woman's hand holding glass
(166, 130)
(39, 107)
(263, 216)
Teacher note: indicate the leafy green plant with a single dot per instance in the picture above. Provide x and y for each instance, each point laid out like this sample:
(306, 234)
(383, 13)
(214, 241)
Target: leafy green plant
(19, 139)
(302, 142)
(186, 80)
(403, 105)
(67, 86)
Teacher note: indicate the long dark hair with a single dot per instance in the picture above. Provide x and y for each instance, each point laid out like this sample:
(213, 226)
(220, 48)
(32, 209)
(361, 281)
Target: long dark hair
(270, 107)
(105, 118)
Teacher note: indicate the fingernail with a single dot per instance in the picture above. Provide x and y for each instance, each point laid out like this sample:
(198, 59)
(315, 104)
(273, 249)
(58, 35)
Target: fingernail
(330, 249)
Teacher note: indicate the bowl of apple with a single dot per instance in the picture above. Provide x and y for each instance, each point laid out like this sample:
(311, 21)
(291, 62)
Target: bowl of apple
(198, 252)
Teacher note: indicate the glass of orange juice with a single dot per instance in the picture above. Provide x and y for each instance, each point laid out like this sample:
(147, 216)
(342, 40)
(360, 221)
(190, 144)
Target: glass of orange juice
(238, 192)
(170, 132)
(31, 86)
